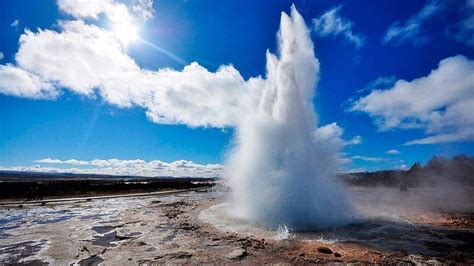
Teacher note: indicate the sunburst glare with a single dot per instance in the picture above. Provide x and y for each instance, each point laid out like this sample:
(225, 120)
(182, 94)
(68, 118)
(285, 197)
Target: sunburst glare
(126, 32)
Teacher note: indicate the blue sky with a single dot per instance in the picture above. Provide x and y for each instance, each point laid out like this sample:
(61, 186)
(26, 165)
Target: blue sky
(364, 48)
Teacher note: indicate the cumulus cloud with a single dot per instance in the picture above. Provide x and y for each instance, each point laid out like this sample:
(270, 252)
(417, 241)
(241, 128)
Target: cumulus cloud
(440, 103)
(330, 139)
(332, 24)
(411, 30)
(90, 60)
(333, 133)
(18, 82)
(392, 152)
(115, 11)
(180, 168)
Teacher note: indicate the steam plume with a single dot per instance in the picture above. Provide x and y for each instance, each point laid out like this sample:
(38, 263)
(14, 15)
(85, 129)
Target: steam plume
(280, 172)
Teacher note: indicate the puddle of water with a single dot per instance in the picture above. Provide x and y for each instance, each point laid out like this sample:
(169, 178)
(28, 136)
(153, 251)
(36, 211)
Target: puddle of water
(150, 212)
(110, 238)
(106, 240)
(12, 254)
(91, 261)
(102, 229)
(164, 227)
(92, 217)
(110, 221)
(168, 238)
(54, 220)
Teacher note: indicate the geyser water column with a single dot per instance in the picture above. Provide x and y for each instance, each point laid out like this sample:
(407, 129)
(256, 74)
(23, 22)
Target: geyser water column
(280, 173)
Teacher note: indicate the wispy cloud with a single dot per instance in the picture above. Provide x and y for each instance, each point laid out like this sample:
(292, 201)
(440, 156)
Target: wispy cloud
(411, 30)
(332, 24)
(446, 115)
(463, 31)
(15, 23)
(369, 159)
(392, 152)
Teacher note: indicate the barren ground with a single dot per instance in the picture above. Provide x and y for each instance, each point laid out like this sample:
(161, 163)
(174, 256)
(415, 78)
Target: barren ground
(166, 229)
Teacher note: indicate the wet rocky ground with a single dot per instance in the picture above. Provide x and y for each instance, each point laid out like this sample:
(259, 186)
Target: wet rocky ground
(168, 229)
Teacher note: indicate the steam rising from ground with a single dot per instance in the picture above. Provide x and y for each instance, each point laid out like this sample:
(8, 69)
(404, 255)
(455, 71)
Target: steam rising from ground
(281, 172)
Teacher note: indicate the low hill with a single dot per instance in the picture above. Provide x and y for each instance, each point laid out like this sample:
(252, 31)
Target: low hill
(438, 171)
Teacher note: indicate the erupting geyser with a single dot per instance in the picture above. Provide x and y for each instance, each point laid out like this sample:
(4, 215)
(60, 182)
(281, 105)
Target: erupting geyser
(280, 172)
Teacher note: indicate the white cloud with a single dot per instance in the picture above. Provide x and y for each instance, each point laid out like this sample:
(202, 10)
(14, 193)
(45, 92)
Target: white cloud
(115, 12)
(392, 152)
(125, 167)
(15, 23)
(17, 82)
(1, 55)
(76, 162)
(410, 31)
(369, 159)
(354, 141)
(49, 160)
(90, 60)
(333, 133)
(332, 24)
(441, 103)
(329, 139)
(57, 161)
(143, 8)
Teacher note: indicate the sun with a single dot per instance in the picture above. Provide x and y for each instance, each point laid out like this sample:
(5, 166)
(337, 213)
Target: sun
(126, 32)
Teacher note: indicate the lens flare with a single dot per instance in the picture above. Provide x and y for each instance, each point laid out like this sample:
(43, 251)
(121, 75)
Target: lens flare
(126, 32)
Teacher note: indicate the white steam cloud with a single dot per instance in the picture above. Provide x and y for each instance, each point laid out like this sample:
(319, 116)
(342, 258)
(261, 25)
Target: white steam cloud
(280, 172)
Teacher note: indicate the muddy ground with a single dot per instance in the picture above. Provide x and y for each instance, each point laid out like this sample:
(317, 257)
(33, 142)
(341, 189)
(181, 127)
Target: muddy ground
(167, 229)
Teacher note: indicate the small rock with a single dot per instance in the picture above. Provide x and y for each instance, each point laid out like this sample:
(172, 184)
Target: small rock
(325, 250)
(237, 254)
(337, 254)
